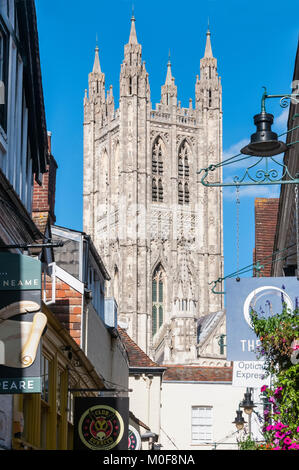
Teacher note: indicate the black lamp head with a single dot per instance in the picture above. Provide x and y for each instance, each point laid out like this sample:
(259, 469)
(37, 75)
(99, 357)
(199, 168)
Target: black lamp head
(247, 403)
(264, 142)
(239, 420)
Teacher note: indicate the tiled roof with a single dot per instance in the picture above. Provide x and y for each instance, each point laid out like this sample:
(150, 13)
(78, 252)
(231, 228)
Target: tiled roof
(197, 374)
(137, 357)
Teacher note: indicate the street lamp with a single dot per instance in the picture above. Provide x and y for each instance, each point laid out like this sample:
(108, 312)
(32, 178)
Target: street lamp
(247, 402)
(264, 142)
(248, 406)
(239, 420)
(264, 146)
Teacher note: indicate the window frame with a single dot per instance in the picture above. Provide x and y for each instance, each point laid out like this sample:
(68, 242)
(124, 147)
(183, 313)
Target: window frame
(158, 170)
(158, 299)
(197, 426)
(183, 173)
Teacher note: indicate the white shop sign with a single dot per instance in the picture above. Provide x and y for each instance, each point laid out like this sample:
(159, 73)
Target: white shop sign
(249, 374)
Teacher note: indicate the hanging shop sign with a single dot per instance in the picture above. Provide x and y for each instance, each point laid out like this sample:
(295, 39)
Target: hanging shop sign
(101, 423)
(21, 324)
(134, 439)
(265, 295)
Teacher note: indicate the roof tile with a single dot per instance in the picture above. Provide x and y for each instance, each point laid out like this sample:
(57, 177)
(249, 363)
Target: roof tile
(137, 357)
(186, 373)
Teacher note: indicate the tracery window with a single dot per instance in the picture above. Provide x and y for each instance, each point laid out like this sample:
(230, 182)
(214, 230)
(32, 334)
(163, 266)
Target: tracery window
(154, 190)
(210, 98)
(183, 174)
(157, 299)
(157, 171)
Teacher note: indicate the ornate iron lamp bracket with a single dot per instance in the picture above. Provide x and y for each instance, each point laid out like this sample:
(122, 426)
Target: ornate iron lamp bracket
(273, 171)
(283, 99)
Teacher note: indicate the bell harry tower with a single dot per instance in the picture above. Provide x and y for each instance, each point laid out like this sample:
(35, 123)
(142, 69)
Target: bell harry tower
(157, 228)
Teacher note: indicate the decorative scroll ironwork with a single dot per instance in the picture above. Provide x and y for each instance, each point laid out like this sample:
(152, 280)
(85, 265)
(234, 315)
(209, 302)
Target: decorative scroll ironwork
(253, 175)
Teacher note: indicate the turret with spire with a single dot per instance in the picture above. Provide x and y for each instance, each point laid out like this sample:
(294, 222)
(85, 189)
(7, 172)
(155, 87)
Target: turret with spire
(207, 88)
(169, 89)
(133, 76)
(97, 80)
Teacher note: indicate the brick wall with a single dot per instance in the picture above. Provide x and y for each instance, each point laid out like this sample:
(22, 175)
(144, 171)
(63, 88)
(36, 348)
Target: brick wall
(43, 199)
(67, 308)
(266, 210)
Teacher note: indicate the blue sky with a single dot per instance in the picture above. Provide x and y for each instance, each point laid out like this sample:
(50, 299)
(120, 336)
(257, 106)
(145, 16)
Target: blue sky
(255, 43)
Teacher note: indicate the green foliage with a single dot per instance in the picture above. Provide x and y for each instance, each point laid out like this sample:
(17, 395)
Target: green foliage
(247, 444)
(279, 335)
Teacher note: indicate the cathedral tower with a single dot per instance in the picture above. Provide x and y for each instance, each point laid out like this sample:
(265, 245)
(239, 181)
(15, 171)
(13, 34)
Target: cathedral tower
(158, 229)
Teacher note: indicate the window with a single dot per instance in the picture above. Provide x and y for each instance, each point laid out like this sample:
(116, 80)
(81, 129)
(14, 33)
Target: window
(96, 285)
(3, 76)
(45, 379)
(210, 98)
(183, 174)
(154, 190)
(157, 171)
(201, 424)
(46, 370)
(157, 299)
(160, 190)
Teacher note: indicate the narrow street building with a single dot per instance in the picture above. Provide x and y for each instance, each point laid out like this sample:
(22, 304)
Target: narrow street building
(58, 336)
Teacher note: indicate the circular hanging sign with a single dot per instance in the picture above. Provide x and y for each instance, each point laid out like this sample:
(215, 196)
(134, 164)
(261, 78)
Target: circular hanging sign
(101, 427)
(134, 439)
(266, 300)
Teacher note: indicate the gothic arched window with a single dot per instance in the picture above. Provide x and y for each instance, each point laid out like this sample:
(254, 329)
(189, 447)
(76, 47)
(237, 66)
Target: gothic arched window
(160, 190)
(210, 98)
(154, 190)
(157, 169)
(181, 193)
(157, 299)
(187, 197)
(183, 174)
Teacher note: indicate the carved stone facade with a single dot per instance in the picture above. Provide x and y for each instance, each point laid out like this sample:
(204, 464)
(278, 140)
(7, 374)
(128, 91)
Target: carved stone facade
(158, 229)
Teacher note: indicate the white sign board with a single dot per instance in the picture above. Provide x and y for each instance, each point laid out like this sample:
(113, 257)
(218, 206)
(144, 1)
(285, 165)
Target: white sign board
(249, 374)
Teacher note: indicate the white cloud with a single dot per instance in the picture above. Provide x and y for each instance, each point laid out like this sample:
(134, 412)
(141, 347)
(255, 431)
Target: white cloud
(267, 191)
(282, 120)
(234, 149)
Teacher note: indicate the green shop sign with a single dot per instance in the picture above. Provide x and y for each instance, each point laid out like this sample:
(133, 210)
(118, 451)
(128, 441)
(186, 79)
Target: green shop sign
(19, 272)
(20, 385)
(22, 324)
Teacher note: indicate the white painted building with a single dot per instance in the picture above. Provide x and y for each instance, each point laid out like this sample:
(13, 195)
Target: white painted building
(198, 407)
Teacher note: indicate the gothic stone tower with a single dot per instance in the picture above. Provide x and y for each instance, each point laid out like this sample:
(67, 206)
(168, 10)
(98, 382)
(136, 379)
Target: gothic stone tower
(158, 229)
